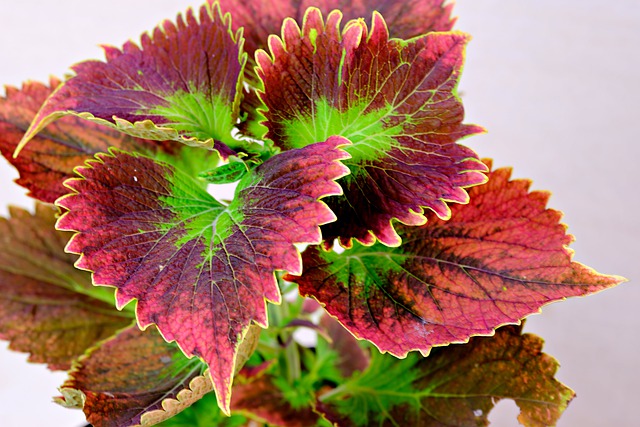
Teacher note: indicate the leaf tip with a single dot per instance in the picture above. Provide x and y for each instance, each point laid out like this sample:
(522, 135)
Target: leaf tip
(71, 398)
(35, 127)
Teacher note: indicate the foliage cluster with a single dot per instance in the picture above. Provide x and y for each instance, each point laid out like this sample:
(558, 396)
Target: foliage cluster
(357, 215)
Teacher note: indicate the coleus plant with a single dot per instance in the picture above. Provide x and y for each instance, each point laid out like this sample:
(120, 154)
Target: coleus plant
(340, 124)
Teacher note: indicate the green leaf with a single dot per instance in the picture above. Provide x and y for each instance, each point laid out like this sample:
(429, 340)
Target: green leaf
(456, 386)
(225, 174)
(48, 308)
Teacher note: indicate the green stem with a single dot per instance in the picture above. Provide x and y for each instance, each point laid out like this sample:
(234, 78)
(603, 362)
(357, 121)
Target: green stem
(292, 353)
(294, 370)
(332, 393)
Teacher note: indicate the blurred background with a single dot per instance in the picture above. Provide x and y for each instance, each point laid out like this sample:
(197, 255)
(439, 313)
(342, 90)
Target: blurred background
(556, 84)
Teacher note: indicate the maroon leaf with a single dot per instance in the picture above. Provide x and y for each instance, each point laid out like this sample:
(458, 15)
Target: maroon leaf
(251, 116)
(51, 156)
(394, 100)
(261, 18)
(48, 308)
(181, 84)
(137, 378)
(406, 19)
(497, 260)
(200, 270)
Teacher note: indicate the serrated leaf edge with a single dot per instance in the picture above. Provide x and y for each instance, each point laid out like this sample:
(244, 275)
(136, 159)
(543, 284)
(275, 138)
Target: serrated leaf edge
(276, 43)
(566, 249)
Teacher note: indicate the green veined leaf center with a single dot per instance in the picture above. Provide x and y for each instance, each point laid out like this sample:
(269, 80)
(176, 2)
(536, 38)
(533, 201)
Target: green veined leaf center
(368, 132)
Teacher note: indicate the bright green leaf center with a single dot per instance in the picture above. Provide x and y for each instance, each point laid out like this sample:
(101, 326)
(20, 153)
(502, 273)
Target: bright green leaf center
(368, 132)
(199, 116)
(198, 213)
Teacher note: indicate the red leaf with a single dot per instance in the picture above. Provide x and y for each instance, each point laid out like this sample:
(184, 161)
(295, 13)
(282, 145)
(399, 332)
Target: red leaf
(181, 84)
(47, 308)
(50, 158)
(200, 270)
(497, 260)
(394, 100)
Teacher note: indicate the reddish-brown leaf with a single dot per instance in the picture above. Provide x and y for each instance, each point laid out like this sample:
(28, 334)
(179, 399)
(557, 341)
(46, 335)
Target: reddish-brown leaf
(351, 357)
(46, 307)
(180, 84)
(396, 102)
(261, 18)
(263, 400)
(199, 269)
(498, 259)
(406, 19)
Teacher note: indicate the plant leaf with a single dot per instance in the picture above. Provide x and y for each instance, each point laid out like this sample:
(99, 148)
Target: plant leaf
(138, 379)
(351, 357)
(225, 174)
(53, 153)
(135, 378)
(406, 19)
(456, 386)
(182, 84)
(200, 270)
(394, 100)
(46, 305)
(497, 260)
(261, 18)
(261, 399)
(251, 116)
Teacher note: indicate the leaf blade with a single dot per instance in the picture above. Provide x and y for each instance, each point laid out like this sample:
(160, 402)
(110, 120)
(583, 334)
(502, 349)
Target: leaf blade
(264, 401)
(199, 270)
(50, 158)
(407, 19)
(134, 378)
(455, 386)
(47, 305)
(498, 259)
(154, 90)
(396, 102)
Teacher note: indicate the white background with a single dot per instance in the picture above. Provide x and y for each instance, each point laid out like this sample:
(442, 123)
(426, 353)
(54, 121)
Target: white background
(556, 83)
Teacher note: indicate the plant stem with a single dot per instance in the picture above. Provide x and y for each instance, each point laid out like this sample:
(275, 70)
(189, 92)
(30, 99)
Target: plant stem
(294, 371)
(335, 392)
(292, 353)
